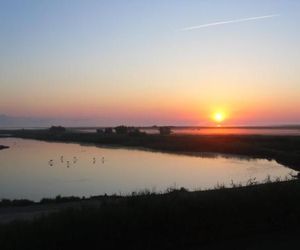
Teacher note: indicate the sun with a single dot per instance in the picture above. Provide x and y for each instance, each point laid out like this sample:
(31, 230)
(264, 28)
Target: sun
(218, 117)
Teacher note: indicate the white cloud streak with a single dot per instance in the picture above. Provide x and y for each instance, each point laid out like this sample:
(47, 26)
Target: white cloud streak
(228, 22)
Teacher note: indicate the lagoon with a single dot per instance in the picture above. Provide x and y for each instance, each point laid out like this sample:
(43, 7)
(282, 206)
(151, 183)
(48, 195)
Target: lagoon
(34, 170)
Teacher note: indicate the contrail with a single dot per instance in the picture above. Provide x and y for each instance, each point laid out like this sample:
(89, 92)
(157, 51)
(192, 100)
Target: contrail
(227, 22)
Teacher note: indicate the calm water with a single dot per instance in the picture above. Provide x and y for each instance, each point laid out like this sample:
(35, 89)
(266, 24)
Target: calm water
(26, 171)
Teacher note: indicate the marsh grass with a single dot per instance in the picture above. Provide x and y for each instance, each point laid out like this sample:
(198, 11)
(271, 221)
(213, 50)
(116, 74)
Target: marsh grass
(144, 192)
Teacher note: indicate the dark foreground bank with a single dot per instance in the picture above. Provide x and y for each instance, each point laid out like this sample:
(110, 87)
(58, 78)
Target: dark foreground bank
(283, 149)
(256, 217)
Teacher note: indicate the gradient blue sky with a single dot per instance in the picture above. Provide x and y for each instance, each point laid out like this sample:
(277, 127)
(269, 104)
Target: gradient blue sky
(118, 61)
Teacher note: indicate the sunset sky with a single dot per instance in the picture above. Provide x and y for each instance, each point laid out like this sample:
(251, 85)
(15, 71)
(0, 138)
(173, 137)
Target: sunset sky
(148, 62)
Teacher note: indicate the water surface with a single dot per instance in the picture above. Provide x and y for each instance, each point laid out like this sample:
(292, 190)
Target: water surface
(35, 169)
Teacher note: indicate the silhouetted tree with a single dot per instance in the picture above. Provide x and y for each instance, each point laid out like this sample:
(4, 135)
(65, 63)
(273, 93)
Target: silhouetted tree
(121, 129)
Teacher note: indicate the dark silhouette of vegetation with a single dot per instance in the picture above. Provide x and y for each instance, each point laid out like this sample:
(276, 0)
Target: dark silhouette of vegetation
(132, 131)
(108, 131)
(121, 130)
(57, 129)
(13, 203)
(136, 132)
(100, 131)
(165, 130)
(217, 219)
(59, 199)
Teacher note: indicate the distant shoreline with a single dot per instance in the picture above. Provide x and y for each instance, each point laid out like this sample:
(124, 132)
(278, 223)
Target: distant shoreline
(288, 126)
